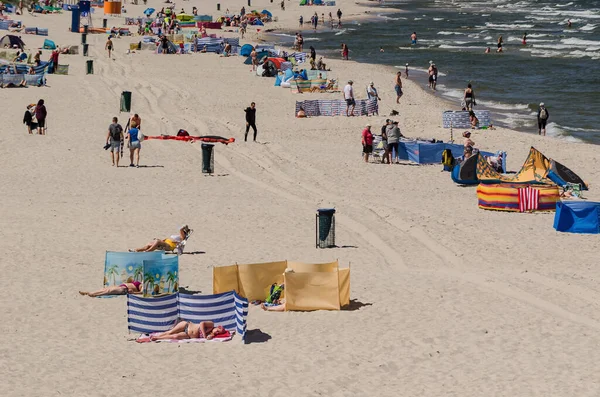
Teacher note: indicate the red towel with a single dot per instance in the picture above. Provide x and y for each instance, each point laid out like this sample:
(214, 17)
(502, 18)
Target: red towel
(529, 199)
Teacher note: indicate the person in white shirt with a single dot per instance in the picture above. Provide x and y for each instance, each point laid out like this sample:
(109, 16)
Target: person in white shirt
(349, 97)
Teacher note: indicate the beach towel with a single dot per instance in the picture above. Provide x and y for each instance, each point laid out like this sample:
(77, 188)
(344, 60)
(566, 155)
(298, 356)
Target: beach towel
(224, 337)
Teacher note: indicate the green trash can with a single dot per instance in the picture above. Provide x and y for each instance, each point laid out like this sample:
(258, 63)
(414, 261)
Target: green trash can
(325, 228)
(126, 101)
(208, 158)
(85, 50)
(90, 66)
(83, 38)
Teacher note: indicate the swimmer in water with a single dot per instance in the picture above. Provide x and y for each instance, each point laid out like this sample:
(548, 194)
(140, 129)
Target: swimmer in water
(381, 49)
(569, 24)
(500, 41)
(487, 50)
(413, 38)
(524, 38)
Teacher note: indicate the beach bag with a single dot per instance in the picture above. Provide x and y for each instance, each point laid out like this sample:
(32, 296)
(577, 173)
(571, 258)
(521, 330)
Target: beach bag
(182, 132)
(118, 130)
(543, 114)
(274, 293)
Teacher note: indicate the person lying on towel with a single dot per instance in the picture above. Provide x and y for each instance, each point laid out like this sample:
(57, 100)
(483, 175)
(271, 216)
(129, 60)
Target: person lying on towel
(168, 244)
(189, 330)
(134, 287)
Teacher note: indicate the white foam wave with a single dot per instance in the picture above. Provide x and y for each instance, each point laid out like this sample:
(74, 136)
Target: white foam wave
(448, 33)
(438, 19)
(500, 26)
(503, 106)
(564, 5)
(588, 27)
(558, 131)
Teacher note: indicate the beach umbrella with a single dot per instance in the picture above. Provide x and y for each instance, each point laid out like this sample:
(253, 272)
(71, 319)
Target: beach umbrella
(149, 11)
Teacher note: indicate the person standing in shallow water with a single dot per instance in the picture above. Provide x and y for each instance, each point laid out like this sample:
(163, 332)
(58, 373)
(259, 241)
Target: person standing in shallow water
(542, 119)
(413, 38)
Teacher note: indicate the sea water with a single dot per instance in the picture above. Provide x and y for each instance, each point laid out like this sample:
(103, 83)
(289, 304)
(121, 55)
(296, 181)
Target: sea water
(559, 65)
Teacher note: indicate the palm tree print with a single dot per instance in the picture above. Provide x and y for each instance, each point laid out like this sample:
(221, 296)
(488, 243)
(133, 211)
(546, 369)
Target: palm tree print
(138, 273)
(112, 271)
(171, 278)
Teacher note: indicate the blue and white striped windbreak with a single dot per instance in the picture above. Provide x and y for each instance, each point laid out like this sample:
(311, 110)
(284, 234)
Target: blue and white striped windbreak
(147, 315)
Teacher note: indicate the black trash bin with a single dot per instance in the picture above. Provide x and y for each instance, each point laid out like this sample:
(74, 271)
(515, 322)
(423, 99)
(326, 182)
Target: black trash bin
(83, 38)
(85, 29)
(249, 5)
(126, 101)
(85, 50)
(208, 158)
(90, 66)
(218, 6)
(104, 23)
(325, 228)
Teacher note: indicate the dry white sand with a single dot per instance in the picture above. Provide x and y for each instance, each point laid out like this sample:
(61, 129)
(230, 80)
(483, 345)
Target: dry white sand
(450, 300)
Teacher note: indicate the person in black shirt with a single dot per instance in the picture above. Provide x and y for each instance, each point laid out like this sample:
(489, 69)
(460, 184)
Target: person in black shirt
(250, 120)
(28, 119)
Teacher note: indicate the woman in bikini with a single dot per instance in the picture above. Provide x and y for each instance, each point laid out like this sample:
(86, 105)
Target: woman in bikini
(135, 287)
(189, 330)
(168, 244)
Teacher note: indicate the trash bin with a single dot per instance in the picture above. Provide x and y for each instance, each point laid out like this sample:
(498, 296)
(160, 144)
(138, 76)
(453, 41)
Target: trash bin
(90, 66)
(325, 228)
(104, 23)
(126, 101)
(249, 5)
(83, 38)
(208, 158)
(85, 29)
(218, 6)
(85, 50)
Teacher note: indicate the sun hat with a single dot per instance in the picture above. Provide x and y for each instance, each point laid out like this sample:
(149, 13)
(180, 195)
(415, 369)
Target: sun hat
(368, 125)
(542, 104)
(371, 83)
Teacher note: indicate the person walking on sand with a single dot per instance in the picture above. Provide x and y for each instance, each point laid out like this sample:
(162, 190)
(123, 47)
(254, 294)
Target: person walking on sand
(250, 121)
(413, 38)
(393, 137)
(134, 145)
(349, 97)
(372, 94)
(542, 119)
(109, 46)
(40, 114)
(345, 51)
(339, 15)
(367, 142)
(254, 60)
(114, 139)
(28, 119)
(398, 86)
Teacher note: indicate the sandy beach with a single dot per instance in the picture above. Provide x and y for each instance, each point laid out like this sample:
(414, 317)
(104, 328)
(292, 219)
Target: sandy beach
(447, 299)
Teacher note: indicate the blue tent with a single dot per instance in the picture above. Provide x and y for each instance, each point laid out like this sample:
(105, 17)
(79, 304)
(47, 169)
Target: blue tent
(259, 56)
(258, 22)
(149, 11)
(49, 45)
(577, 217)
(266, 12)
(246, 50)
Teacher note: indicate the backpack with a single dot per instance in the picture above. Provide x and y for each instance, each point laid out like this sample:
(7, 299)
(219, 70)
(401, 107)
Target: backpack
(543, 114)
(274, 293)
(182, 133)
(447, 159)
(116, 132)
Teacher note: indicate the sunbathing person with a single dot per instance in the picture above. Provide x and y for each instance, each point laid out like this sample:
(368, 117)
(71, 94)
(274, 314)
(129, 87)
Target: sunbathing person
(473, 119)
(135, 287)
(189, 330)
(168, 244)
(301, 113)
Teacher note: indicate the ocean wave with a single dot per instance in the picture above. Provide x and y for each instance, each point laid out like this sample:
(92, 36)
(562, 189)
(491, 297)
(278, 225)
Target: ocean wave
(588, 27)
(558, 131)
(580, 43)
(459, 47)
(564, 5)
(503, 106)
(438, 19)
(448, 33)
(541, 53)
(507, 26)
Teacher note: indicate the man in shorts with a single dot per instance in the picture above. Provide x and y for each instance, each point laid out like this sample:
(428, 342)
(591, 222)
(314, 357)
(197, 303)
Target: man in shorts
(349, 97)
(398, 86)
(114, 138)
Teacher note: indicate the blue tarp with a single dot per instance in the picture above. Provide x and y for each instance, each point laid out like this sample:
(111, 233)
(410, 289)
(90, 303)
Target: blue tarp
(577, 217)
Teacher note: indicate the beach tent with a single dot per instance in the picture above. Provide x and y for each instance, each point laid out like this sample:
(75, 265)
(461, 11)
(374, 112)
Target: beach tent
(465, 173)
(258, 22)
(49, 45)
(11, 41)
(275, 62)
(246, 50)
(577, 217)
(149, 11)
(259, 55)
(322, 286)
(148, 315)
(267, 13)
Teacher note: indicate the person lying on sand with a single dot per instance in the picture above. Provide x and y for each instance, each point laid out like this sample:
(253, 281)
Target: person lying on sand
(168, 244)
(189, 330)
(134, 287)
